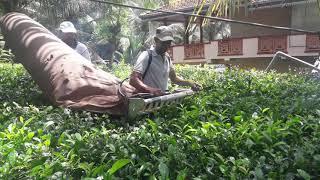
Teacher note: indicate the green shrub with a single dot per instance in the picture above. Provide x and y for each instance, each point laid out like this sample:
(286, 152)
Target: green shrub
(243, 125)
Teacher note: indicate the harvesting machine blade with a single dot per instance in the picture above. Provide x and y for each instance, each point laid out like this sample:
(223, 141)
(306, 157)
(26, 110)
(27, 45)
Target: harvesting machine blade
(144, 103)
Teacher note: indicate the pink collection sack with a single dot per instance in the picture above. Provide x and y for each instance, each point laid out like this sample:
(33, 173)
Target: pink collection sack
(66, 78)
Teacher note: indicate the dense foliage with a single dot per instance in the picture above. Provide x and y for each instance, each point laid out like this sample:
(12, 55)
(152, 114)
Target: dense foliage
(244, 124)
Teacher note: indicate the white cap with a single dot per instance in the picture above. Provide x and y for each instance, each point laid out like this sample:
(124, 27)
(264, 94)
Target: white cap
(164, 33)
(67, 27)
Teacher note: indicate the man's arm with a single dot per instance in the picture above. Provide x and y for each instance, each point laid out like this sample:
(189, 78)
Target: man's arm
(86, 54)
(136, 81)
(181, 82)
(83, 50)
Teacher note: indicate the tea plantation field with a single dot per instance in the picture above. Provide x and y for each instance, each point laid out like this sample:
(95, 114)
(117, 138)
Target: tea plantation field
(242, 125)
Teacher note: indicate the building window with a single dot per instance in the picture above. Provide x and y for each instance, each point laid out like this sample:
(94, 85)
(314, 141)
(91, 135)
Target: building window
(312, 43)
(229, 47)
(272, 44)
(194, 51)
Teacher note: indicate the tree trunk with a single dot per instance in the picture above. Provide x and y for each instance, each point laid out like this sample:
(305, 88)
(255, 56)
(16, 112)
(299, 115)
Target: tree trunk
(201, 30)
(186, 36)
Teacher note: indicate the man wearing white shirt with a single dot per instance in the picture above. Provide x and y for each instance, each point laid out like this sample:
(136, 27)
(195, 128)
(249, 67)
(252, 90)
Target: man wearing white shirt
(68, 34)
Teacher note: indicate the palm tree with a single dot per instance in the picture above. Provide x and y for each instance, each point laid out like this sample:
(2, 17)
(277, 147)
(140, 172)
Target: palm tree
(112, 22)
(139, 35)
(227, 8)
(48, 12)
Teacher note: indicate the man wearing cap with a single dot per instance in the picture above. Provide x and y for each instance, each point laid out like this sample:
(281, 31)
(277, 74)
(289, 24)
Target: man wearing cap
(68, 34)
(153, 68)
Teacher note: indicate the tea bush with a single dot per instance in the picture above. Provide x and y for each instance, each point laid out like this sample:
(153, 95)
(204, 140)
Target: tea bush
(242, 125)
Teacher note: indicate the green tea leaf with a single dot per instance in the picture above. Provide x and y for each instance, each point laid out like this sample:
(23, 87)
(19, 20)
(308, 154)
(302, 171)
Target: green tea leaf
(153, 125)
(237, 118)
(99, 170)
(182, 175)
(164, 170)
(304, 174)
(78, 137)
(219, 157)
(28, 121)
(265, 110)
(21, 119)
(48, 124)
(30, 135)
(258, 174)
(223, 169)
(118, 165)
(12, 157)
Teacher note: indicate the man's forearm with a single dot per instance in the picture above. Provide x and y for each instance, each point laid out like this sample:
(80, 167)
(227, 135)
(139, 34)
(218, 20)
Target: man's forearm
(135, 81)
(181, 82)
(139, 85)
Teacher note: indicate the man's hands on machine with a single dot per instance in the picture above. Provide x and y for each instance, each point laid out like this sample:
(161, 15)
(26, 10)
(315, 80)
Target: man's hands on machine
(196, 87)
(155, 91)
(137, 82)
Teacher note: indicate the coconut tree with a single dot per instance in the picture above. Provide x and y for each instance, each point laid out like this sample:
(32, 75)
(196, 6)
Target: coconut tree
(139, 35)
(113, 22)
(227, 8)
(48, 12)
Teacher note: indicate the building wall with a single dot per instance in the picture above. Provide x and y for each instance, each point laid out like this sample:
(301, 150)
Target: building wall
(306, 16)
(274, 16)
(178, 54)
(302, 16)
(296, 46)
